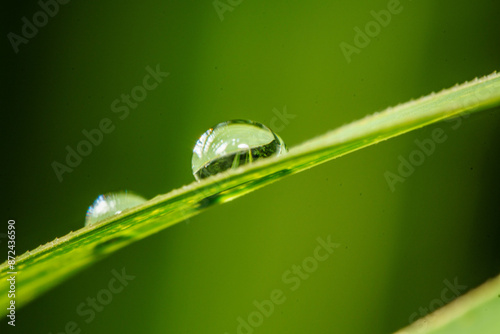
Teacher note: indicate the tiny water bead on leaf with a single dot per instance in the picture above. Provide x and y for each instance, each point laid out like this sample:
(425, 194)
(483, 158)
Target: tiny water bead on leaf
(231, 144)
(111, 204)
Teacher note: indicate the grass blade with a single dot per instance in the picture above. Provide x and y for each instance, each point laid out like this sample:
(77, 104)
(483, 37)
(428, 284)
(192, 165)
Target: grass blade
(474, 312)
(47, 265)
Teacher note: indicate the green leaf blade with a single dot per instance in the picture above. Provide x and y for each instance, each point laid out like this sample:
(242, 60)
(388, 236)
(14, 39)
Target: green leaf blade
(48, 265)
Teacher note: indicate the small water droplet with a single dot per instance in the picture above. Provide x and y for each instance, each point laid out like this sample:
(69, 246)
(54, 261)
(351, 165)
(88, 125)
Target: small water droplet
(231, 144)
(111, 204)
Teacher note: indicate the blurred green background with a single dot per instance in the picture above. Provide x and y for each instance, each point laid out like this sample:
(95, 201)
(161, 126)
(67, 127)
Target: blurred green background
(199, 276)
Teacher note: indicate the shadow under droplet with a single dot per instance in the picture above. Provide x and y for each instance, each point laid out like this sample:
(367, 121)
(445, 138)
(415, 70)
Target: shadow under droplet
(241, 189)
(112, 244)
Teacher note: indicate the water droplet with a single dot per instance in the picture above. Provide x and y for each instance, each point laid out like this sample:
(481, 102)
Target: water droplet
(111, 204)
(232, 144)
(112, 244)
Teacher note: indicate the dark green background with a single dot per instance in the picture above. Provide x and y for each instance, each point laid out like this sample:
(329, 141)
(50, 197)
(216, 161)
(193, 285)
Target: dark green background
(199, 276)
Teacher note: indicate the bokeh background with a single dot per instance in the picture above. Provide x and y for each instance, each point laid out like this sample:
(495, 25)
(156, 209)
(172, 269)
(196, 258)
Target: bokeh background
(398, 247)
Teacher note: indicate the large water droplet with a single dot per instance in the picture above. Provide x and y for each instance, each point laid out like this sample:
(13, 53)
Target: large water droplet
(232, 144)
(111, 204)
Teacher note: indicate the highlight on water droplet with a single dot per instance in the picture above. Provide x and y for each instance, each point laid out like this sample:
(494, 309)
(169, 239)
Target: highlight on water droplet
(111, 204)
(231, 144)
